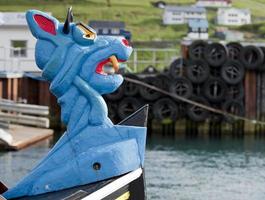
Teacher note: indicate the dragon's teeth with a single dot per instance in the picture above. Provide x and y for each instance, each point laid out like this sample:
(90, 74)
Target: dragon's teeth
(114, 62)
(109, 70)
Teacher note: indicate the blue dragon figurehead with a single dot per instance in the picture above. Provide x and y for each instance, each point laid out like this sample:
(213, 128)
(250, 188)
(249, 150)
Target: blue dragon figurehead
(81, 67)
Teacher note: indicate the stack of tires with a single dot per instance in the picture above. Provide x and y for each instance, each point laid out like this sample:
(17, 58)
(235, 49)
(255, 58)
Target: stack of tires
(219, 70)
(212, 74)
(217, 77)
(129, 97)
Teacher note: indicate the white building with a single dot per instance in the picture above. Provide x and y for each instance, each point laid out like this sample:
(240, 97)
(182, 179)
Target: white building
(214, 3)
(182, 14)
(233, 16)
(16, 44)
(198, 29)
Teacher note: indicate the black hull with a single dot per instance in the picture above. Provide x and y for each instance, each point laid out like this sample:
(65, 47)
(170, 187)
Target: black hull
(127, 187)
(130, 186)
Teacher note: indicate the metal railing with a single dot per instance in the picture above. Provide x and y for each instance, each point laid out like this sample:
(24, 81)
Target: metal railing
(27, 114)
(17, 59)
(157, 57)
(22, 59)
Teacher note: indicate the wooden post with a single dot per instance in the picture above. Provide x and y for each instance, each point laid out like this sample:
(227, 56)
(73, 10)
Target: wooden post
(14, 89)
(184, 51)
(259, 93)
(262, 96)
(1, 88)
(259, 89)
(262, 107)
(9, 88)
(44, 94)
(24, 91)
(5, 88)
(33, 91)
(250, 94)
(19, 86)
(250, 99)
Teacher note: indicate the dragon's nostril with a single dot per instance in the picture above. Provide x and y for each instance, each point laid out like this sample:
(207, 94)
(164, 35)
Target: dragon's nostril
(125, 42)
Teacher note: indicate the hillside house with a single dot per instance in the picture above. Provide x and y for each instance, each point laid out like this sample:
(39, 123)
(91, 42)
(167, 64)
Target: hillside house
(112, 28)
(198, 29)
(224, 33)
(233, 16)
(182, 14)
(16, 43)
(214, 3)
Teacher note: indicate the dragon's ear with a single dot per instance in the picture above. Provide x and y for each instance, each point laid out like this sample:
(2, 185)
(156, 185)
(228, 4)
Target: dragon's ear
(41, 24)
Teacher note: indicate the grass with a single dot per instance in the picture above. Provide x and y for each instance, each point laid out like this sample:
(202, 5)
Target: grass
(142, 19)
(140, 16)
(257, 7)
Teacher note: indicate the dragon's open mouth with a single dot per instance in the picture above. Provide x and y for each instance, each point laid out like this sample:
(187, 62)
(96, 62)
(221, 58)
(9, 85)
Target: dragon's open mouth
(109, 66)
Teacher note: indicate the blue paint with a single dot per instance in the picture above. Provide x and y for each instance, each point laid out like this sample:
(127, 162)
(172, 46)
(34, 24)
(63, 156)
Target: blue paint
(69, 62)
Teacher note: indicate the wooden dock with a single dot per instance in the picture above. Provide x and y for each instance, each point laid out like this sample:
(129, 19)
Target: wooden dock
(24, 136)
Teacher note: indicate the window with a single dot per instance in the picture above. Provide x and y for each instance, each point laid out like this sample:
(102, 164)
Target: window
(105, 31)
(204, 30)
(194, 30)
(18, 48)
(232, 15)
(176, 19)
(233, 21)
(176, 13)
(115, 31)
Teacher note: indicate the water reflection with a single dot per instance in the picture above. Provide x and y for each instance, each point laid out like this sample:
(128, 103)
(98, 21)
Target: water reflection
(15, 165)
(180, 167)
(205, 168)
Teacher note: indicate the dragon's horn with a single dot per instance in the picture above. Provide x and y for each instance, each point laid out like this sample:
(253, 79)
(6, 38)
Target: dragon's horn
(68, 20)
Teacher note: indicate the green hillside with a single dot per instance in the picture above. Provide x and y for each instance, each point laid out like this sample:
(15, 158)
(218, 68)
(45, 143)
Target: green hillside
(140, 16)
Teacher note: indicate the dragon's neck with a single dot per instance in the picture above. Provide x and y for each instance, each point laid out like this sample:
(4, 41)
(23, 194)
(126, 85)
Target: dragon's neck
(98, 108)
(81, 105)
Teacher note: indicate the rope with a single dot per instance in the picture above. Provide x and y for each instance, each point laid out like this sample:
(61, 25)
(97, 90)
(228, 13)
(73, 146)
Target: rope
(214, 110)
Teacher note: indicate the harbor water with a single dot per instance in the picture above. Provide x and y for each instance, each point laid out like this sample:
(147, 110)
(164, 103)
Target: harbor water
(180, 167)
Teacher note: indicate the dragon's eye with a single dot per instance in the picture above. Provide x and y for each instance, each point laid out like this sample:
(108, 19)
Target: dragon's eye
(88, 33)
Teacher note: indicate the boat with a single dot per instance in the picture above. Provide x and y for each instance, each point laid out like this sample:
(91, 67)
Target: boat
(94, 159)
(130, 186)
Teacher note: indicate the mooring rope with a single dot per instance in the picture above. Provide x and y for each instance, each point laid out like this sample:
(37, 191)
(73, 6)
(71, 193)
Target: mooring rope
(175, 96)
